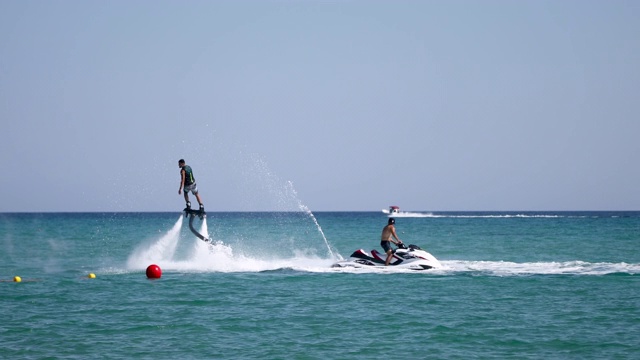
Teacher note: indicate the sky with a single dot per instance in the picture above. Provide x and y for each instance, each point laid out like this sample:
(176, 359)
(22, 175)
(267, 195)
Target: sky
(322, 105)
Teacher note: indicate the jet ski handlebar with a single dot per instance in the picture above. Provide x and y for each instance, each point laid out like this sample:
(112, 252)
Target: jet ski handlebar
(410, 247)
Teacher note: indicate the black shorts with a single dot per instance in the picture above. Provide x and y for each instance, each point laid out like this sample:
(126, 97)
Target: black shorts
(386, 245)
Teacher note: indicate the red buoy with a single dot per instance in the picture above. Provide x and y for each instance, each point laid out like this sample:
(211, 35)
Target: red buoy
(154, 271)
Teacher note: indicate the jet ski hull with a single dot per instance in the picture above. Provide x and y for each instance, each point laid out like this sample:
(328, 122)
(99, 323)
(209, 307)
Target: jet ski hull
(412, 258)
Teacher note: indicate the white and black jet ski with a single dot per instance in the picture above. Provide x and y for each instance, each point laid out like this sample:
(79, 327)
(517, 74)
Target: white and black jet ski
(411, 257)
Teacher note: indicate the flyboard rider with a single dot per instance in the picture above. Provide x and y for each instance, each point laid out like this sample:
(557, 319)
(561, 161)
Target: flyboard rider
(188, 183)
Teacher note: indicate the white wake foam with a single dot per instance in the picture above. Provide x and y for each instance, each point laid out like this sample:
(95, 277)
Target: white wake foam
(220, 257)
(211, 257)
(506, 268)
(408, 214)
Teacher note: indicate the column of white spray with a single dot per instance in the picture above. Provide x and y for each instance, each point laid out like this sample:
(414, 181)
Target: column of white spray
(306, 210)
(162, 250)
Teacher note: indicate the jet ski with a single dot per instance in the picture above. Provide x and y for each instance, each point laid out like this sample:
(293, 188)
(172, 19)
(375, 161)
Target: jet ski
(410, 257)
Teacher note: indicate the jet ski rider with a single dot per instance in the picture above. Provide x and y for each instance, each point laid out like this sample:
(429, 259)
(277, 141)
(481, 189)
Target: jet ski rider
(387, 232)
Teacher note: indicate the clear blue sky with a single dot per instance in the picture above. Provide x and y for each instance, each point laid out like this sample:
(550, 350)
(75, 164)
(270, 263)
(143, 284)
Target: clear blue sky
(429, 105)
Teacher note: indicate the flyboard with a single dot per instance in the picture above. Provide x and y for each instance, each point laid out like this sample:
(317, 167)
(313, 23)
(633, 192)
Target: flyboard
(192, 214)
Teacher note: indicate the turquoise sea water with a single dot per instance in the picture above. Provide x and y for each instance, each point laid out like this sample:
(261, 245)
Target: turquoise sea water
(558, 285)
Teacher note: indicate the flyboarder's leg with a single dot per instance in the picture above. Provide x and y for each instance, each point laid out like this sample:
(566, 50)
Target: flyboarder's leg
(186, 199)
(199, 200)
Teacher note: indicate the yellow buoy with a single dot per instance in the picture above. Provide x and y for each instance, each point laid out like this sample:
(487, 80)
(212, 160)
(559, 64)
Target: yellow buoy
(17, 279)
(92, 276)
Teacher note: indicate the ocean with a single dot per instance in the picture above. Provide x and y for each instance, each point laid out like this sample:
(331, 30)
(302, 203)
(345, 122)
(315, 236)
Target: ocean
(514, 285)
